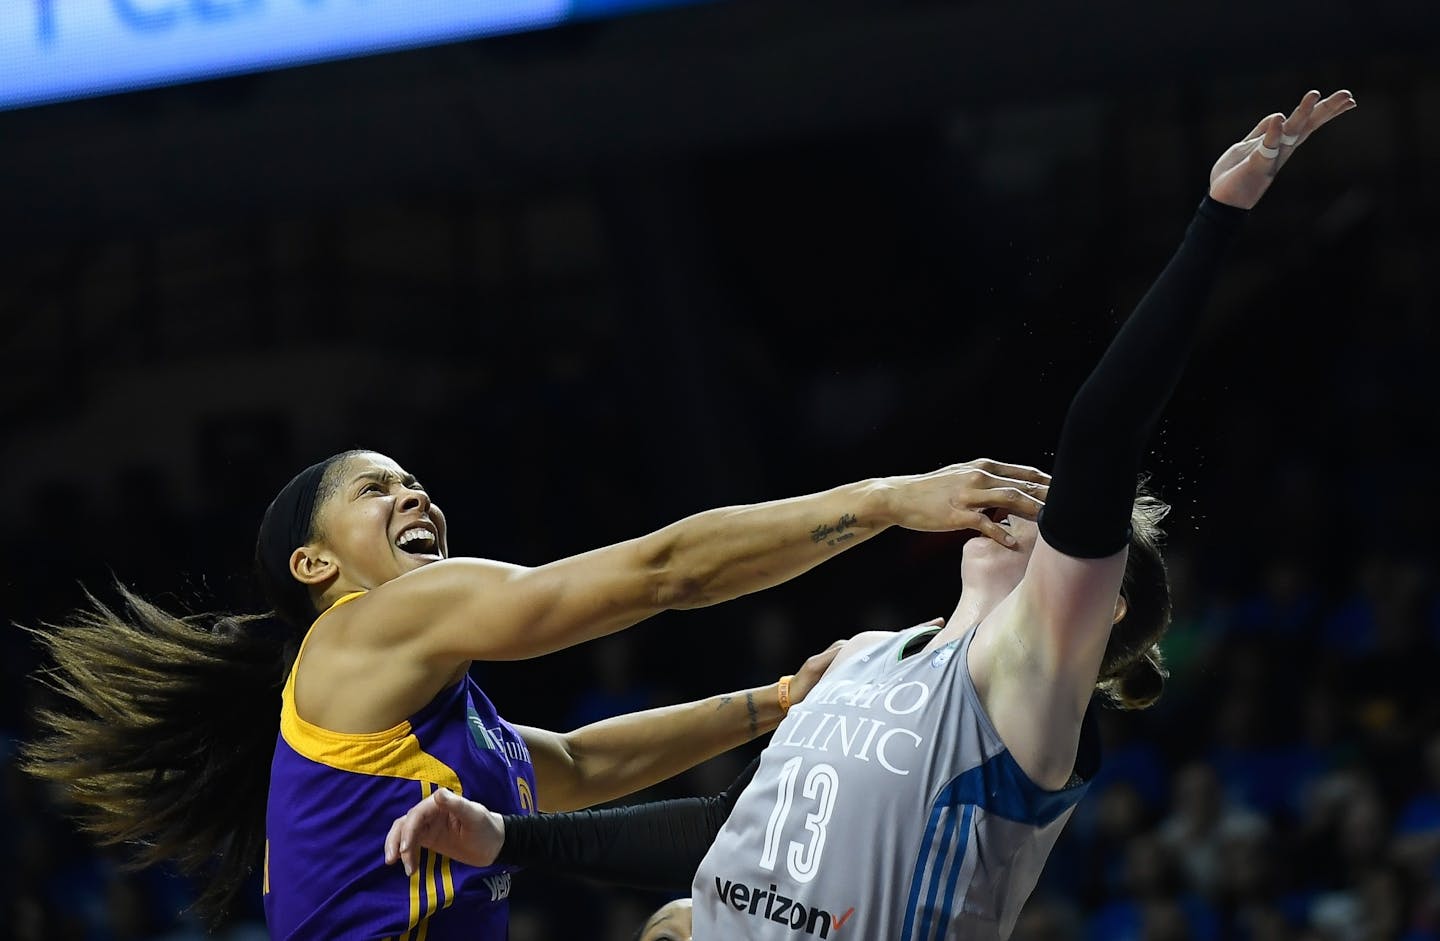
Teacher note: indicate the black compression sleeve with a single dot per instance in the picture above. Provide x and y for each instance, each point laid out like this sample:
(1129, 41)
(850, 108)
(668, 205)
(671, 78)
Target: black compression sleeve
(657, 845)
(1097, 463)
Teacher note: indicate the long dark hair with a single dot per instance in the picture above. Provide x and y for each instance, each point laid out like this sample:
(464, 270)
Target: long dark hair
(165, 724)
(157, 741)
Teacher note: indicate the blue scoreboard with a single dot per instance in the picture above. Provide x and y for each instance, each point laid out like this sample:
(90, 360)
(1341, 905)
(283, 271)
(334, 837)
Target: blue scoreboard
(54, 50)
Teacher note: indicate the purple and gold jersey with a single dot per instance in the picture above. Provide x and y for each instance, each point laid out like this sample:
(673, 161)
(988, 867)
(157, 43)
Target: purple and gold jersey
(333, 797)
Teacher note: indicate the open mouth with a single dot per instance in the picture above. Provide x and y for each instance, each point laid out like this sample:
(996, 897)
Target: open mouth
(418, 540)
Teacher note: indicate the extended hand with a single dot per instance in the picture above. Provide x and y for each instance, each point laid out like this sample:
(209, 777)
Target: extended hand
(974, 495)
(1244, 172)
(450, 825)
(811, 671)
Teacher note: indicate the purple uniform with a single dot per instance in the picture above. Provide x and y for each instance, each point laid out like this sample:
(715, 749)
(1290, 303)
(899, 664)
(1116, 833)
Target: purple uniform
(333, 797)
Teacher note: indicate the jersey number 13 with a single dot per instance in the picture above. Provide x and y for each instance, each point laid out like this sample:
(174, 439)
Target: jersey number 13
(821, 785)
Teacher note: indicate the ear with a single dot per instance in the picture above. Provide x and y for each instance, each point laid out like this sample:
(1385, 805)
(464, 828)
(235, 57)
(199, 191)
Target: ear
(1121, 608)
(311, 565)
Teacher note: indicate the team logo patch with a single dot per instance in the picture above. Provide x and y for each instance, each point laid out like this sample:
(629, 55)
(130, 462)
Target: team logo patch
(943, 655)
(478, 732)
(509, 747)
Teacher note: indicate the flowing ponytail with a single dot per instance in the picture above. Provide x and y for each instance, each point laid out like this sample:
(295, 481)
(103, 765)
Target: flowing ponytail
(1133, 673)
(164, 733)
(166, 725)
(1139, 683)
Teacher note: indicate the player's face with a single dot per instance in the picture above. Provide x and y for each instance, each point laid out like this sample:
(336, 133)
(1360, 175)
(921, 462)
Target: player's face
(670, 923)
(985, 561)
(379, 522)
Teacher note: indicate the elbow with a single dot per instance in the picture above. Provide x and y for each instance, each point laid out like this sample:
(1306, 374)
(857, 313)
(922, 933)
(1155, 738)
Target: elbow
(671, 592)
(675, 579)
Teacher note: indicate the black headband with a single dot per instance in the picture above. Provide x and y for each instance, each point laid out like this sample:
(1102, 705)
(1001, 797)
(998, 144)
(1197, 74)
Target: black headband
(285, 528)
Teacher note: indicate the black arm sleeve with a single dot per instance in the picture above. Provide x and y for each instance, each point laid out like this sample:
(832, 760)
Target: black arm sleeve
(657, 845)
(1097, 463)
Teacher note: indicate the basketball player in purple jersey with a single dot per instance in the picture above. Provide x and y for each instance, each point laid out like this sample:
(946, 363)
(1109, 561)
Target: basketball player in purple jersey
(168, 739)
(917, 791)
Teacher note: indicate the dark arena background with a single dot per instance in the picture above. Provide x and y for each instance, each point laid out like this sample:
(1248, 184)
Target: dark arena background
(590, 274)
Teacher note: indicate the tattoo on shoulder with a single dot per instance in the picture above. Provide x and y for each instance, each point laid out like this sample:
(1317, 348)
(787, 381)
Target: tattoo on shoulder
(754, 713)
(832, 534)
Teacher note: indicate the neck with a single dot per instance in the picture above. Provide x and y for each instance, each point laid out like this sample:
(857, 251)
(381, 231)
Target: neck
(326, 599)
(976, 603)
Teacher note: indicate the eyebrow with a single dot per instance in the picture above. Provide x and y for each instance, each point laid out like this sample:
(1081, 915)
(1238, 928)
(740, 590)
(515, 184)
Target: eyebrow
(385, 477)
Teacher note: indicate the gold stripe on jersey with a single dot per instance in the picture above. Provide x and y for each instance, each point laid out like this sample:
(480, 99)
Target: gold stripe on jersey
(415, 876)
(448, 880)
(431, 887)
(394, 752)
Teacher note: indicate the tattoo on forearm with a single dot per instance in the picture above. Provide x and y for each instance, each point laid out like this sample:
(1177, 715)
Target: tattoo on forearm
(724, 701)
(754, 714)
(833, 535)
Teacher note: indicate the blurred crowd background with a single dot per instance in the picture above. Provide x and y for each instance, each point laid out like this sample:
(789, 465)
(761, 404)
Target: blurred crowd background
(588, 280)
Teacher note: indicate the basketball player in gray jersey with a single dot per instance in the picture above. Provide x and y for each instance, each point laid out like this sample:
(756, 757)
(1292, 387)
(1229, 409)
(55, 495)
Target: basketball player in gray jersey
(917, 790)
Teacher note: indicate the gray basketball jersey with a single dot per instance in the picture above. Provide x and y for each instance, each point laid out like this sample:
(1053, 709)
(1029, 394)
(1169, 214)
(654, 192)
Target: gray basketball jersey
(885, 808)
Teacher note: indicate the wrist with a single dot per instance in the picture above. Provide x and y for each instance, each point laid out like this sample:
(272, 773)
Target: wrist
(765, 710)
(783, 690)
(1221, 211)
(501, 857)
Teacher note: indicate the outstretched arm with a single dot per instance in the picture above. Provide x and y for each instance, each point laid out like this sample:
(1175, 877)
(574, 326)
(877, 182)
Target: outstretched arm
(1111, 418)
(470, 609)
(614, 757)
(1061, 618)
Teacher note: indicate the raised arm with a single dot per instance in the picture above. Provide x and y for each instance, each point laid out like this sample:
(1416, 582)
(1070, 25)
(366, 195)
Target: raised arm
(1062, 614)
(470, 609)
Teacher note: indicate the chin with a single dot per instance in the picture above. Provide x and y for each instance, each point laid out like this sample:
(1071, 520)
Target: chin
(985, 560)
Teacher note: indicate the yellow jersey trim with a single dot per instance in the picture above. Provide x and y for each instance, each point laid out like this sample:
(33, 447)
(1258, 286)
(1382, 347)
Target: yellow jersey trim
(394, 752)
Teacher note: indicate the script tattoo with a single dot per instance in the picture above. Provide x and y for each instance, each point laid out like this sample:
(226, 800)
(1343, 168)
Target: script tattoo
(754, 714)
(724, 701)
(833, 535)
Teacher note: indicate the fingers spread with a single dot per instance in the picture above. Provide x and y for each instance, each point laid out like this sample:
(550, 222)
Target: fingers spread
(1332, 107)
(1295, 123)
(1313, 112)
